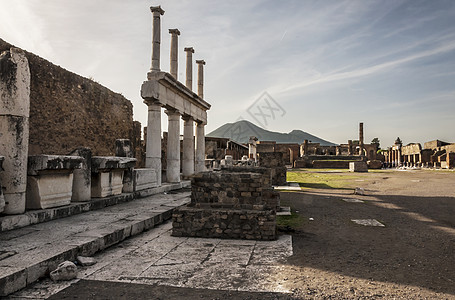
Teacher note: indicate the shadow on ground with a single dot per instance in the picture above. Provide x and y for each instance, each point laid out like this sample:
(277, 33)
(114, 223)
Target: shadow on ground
(415, 248)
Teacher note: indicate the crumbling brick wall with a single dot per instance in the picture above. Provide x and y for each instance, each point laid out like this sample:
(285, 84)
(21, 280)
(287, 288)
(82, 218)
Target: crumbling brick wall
(68, 111)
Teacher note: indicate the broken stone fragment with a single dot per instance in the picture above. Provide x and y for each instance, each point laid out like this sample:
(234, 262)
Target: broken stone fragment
(65, 271)
(85, 261)
(359, 191)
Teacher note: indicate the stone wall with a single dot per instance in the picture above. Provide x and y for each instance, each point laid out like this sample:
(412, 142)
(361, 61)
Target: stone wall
(275, 162)
(68, 111)
(236, 202)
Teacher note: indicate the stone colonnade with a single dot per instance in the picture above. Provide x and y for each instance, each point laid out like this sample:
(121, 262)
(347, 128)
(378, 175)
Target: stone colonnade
(164, 90)
(394, 156)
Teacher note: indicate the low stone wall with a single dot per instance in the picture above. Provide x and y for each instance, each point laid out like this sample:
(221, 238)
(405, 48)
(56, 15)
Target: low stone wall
(235, 202)
(224, 223)
(331, 164)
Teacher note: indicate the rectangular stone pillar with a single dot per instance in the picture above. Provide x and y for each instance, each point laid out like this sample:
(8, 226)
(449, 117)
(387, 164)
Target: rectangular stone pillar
(200, 148)
(14, 127)
(173, 146)
(153, 146)
(188, 147)
(361, 139)
(82, 178)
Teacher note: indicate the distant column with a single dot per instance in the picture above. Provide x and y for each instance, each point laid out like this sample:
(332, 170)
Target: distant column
(153, 144)
(361, 139)
(174, 52)
(349, 147)
(156, 36)
(189, 67)
(200, 147)
(200, 78)
(305, 147)
(173, 146)
(188, 147)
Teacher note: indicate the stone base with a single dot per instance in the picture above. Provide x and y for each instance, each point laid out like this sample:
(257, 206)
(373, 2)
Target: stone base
(107, 183)
(224, 223)
(374, 164)
(144, 179)
(358, 166)
(49, 190)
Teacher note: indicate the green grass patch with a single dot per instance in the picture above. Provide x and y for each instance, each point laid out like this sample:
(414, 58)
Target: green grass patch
(319, 180)
(292, 222)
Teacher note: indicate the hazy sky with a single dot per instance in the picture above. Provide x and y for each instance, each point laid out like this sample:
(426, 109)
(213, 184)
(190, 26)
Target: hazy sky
(328, 64)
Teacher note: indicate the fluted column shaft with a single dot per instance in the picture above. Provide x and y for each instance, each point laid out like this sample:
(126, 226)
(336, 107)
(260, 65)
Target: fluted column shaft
(200, 78)
(156, 36)
(153, 146)
(174, 65)
(173, 146)
(189, 67)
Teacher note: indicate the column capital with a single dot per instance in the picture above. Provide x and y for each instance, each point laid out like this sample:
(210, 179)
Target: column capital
(157, 9)
(189, 49)
(200, 61)
(171, 112)
(187, 118)
(174, 31)
(200, 123)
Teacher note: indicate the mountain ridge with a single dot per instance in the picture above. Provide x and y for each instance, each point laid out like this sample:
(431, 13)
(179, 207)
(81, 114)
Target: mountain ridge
(241, 131)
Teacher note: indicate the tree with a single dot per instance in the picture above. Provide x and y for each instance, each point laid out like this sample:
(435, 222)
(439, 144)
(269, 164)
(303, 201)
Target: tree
(375, 141)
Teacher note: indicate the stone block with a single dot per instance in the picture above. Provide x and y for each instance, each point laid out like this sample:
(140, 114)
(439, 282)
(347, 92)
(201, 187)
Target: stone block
(358, 166)
(144, 178)
(50, 180)
(107, 183)
(374, 164)
(82, 178)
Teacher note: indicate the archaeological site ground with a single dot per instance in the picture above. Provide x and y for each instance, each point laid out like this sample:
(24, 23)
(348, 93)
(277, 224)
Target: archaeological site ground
(94, 205)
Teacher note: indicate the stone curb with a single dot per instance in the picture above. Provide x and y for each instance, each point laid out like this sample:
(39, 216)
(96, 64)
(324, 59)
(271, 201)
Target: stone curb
(45, 215)
(86, 243)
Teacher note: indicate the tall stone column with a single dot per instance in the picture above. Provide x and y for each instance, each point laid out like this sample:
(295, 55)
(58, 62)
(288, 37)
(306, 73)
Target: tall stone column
(200, 78)
(200, 147)
(173, 146)
(156, 37)
(349, 147)
(174, 64)
(188, 147)
(14, 128)
(361, 139)
(305, 147)
(189, 67)
(153, 144)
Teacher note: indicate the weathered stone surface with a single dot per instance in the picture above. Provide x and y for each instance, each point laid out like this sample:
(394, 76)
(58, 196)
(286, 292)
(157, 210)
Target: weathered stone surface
(274, 161)
(82, 178)
(2, 198)
(37, 163)
(14, 127)
(69, 111)
(65, 271)
(107, 183)
(111, 162)
(358, 166)
(85, 261)
(49, 190)
(144, 179)
(374, 164)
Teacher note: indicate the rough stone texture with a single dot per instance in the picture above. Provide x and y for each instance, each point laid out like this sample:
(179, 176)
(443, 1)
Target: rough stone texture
(358, 166)
(236, 202)
(50, 180)
(68, 111)
(85, 261)
(2, 198)
(144, 178)
(276, 163)
(374, 164)
(65, 271)
(330, 164)
(82, 178)
(14, 127)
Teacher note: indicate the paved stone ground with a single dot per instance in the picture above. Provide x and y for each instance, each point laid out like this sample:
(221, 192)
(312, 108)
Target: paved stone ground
(157, 258)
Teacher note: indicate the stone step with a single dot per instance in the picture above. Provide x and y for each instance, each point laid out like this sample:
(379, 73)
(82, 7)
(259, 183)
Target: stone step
(29, 253)
(45, 215)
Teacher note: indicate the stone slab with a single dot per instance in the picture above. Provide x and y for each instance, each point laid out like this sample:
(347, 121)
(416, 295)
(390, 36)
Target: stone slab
(41, 249)
(358, 166)
(352, 200)
(368, 222)
(144, 178)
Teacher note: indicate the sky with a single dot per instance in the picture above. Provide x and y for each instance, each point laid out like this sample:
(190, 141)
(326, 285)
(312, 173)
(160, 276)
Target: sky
(317, 66)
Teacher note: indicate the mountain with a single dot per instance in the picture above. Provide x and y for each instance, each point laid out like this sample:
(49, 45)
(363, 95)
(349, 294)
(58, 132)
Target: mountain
(241, 131)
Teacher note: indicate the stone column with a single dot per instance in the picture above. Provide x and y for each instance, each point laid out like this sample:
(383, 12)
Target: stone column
(305, 147)
(200, 78)
(153, 144)
(361, 139)
(398, 157)
(173, 146)
(188, 147)
(156, 37)
(174, 64)
(200, 147)
(349, 147)
(14, 127)
(189, 67)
